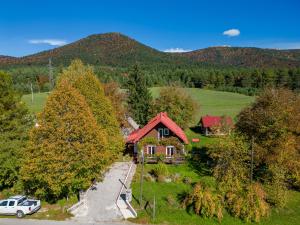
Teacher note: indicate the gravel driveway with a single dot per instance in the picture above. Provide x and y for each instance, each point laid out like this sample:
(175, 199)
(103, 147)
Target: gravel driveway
(101, 202)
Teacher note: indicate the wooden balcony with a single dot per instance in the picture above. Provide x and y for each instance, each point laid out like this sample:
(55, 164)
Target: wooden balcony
(169, 160)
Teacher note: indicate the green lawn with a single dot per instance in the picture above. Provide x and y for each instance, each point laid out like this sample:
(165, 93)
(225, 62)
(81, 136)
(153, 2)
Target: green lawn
(209, 101)
(39, 100)
(170, 212)
(215, 102)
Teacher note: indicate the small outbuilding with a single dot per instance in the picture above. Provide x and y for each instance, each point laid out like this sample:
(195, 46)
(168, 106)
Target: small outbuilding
(215, 125)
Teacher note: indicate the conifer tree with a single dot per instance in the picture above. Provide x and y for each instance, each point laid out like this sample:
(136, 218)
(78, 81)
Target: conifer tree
(67, 150)
(84, 80)
(139, 97)
(15, 121)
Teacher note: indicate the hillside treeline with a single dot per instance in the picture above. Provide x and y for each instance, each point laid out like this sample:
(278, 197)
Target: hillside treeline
(242, 80)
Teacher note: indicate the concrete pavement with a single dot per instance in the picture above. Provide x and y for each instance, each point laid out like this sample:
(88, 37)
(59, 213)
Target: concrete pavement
(13, 221)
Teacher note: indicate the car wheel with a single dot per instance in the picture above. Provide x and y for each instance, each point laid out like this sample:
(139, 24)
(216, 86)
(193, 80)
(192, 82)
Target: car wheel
(20, 214)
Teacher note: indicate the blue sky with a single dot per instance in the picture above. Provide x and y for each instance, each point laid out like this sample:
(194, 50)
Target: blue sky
(30, 26)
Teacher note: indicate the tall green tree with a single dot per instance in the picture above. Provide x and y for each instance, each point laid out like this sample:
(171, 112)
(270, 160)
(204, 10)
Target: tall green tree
(15, 121)
(84, 80)
(139, 97)
(67, 150)
(177, 103)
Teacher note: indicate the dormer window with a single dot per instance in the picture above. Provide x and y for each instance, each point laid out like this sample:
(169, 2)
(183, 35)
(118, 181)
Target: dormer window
(166, 132)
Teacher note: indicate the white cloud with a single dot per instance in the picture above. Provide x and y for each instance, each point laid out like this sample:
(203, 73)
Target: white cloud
(232, 32)
(53, 42)
(174, 50)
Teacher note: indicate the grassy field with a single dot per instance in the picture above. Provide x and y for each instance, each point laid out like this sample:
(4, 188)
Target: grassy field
(168, 195)
(209, 101)
(215, 102)
(39, 100)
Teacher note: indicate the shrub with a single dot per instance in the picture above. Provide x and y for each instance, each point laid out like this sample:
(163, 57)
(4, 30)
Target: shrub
(160, 170)
(187, 180)
(161, 178)
(276, 194)
(171, 200)
(249, 205)
(176, 177)
(204, 202)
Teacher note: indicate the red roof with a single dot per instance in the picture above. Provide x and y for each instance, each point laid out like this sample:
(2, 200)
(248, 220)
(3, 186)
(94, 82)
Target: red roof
(163, 118)
(210, 121)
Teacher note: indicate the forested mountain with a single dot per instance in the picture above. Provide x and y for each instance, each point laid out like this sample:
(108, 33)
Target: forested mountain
(246, 57)
(244, 70)
(118, 50)
(109, 49)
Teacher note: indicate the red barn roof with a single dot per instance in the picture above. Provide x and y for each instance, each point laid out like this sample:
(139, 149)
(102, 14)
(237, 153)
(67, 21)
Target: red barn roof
(210, 121)
(163, 118)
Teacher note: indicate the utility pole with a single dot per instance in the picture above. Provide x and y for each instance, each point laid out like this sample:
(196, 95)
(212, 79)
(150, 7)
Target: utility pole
(252, 159)
(51, 80)
(141, 181)
(154, 208)
(31, 88)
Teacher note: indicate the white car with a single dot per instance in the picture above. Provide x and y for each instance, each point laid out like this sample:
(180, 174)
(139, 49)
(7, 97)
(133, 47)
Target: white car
(19, 205)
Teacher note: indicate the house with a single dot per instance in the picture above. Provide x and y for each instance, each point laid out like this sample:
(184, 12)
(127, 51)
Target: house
(215, 125)
(161, 139)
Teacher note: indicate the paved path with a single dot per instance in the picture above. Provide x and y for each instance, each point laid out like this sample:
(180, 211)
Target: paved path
(101, 205)
(51, 222)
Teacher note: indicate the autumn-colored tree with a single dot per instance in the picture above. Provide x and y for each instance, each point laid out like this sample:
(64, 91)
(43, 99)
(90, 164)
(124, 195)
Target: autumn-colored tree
(84, 80)
(177, 103)
(272, 120)
(118, 98)
(231, 162)
(15, 121)
(67, 150)
(204, 202)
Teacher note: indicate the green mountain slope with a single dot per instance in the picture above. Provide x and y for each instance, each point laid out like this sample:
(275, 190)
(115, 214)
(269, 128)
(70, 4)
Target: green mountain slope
(118, 50)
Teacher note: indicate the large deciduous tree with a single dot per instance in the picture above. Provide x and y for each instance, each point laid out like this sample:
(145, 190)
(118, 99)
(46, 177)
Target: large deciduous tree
(84, 80)
(15, 121)
(177, 103)
(118, 98)
(67, 150)
(272, 120)
(139, 97)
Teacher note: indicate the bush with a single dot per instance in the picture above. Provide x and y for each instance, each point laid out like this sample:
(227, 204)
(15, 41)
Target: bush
(204, 202)
(176, 178)
(171, 200)
(161, 179)
(160, 170)
(187, 180)
(249, 205)
(276, 194)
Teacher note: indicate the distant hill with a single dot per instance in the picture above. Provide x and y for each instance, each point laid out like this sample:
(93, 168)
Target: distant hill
(112, 49)
(118, 50)
(246, 57)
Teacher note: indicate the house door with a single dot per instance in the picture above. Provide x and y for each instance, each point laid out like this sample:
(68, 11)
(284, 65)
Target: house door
(170, 150)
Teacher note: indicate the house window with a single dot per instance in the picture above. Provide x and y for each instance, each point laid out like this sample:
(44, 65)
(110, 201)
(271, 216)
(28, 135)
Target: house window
(160, 133)
(170, 150)
(166, 131)
(151, 149)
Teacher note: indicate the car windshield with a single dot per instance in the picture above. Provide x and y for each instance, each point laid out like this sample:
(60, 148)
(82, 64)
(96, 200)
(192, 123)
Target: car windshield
(29, 203)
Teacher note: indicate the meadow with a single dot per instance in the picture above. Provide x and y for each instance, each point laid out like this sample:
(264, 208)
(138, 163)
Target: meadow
(209, 101)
